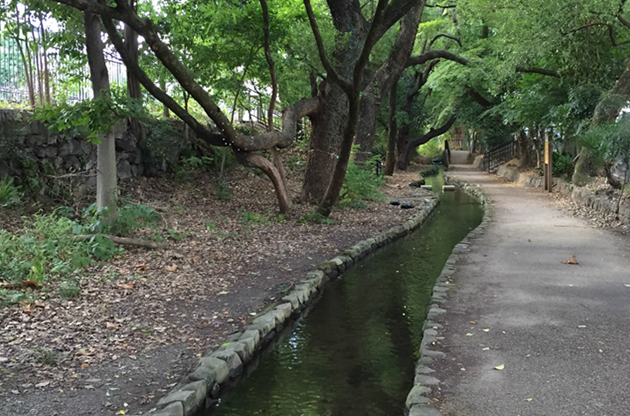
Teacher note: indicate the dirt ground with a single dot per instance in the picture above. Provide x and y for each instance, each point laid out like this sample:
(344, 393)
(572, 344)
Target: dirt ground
(141, 320)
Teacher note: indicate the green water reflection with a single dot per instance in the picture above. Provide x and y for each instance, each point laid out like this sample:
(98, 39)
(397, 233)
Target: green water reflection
(355, 352)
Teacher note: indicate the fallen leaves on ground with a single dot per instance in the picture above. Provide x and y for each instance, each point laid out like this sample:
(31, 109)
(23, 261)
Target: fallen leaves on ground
(500, 367)
(571, 260)
(121, 307)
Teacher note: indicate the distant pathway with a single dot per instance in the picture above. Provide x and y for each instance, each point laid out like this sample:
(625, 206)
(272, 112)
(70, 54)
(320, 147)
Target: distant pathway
(561, 331)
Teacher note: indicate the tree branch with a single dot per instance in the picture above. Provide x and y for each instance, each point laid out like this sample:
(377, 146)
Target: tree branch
(395, 11)
(541, 71)
(433, 133)
(154, 90)
(479, 99)
(445, 35)
(437, 54)
(330, 71)
(370, 41)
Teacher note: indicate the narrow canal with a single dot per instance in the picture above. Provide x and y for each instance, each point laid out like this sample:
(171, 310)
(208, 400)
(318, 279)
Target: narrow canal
(354, 353)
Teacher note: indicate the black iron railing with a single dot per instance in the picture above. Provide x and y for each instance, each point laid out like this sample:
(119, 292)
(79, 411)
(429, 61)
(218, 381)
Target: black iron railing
(498, 155)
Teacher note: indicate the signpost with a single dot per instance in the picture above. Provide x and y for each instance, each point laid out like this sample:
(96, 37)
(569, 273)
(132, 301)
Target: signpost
(548, 164)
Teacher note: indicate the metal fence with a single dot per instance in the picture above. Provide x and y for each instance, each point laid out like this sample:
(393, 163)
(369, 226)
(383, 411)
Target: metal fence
(50, 79)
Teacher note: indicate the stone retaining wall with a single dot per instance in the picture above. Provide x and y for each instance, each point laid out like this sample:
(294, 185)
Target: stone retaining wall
(606, 204)
(419, 401)
(200, 389)
(39, 159)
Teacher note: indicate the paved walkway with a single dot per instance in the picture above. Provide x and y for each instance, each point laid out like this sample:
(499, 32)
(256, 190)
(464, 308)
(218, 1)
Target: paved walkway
(561, 331)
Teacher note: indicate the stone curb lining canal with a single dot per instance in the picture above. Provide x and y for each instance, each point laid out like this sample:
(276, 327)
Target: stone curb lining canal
(419, 401)
(202, 387)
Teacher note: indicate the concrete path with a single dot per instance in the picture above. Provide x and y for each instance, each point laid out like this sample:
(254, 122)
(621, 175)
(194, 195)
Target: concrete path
(562, 332)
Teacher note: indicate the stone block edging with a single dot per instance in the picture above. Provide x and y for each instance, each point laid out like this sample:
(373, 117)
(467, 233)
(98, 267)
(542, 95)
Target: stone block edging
(216, 368)
(419, 401)
(605, 204)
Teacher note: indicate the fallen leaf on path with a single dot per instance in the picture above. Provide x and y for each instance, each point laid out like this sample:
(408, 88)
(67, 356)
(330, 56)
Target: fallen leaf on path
(42, 384)
(31, 283)
(473, 323)
(469, 334)
(499, 367)
(529, 400)
(85, 365)
(171, 268)
(28, 307)
(141, 267)
(571, 260)
(125, 286)
(626, 285)
(486, 330)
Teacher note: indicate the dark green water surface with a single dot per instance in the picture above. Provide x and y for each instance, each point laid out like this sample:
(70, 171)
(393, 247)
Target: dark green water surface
(355, 351)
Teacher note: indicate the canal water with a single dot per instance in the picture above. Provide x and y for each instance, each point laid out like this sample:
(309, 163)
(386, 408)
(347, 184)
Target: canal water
(354, 353)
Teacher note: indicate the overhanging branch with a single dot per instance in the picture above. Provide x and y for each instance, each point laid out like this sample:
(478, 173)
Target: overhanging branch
(541, 71)
(330, 71)
(437, 54)
(433, 133)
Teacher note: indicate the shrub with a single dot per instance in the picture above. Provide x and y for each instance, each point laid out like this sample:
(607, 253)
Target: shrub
(430, 171)
(131, 217)
(47, 248)
(10, 195)
(361, 184)
(561, 164)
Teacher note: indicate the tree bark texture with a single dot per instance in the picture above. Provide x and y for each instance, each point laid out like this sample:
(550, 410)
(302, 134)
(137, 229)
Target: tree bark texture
(524, 147)
(133, 84)
(392, 134)
(106, 180)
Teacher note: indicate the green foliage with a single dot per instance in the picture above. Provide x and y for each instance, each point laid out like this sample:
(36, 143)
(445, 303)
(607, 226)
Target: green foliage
(47, 249)
(174, 235)
(224, 192)
(430, 171)
(69, 289)
(316, 218)
(94, 117)
(131, 217)
(561, 164)
(361, 183)
(430, 149)
(10, 194)
(249, 219)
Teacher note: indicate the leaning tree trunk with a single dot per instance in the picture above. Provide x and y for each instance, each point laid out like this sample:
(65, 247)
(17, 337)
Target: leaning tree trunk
(433, 133)
(106, 186)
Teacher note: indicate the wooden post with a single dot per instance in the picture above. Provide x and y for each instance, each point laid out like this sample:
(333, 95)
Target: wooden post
(548, 164)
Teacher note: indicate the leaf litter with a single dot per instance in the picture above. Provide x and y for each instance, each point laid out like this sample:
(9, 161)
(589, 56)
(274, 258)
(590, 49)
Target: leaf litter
(172, 304)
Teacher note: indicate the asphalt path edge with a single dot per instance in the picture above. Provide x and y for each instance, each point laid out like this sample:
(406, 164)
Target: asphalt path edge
(419, 400)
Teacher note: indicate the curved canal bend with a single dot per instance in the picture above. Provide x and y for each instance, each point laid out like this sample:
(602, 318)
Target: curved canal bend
(355, 351)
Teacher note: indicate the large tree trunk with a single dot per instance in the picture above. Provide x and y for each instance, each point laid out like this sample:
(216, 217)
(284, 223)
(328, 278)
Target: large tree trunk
(382, 81)
(133, 84)
(327, 132)
(106, 186)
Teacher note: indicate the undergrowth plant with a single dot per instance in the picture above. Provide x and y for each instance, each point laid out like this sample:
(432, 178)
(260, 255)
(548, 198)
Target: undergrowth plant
(10, 194)
(361, 184)
(49, 248)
